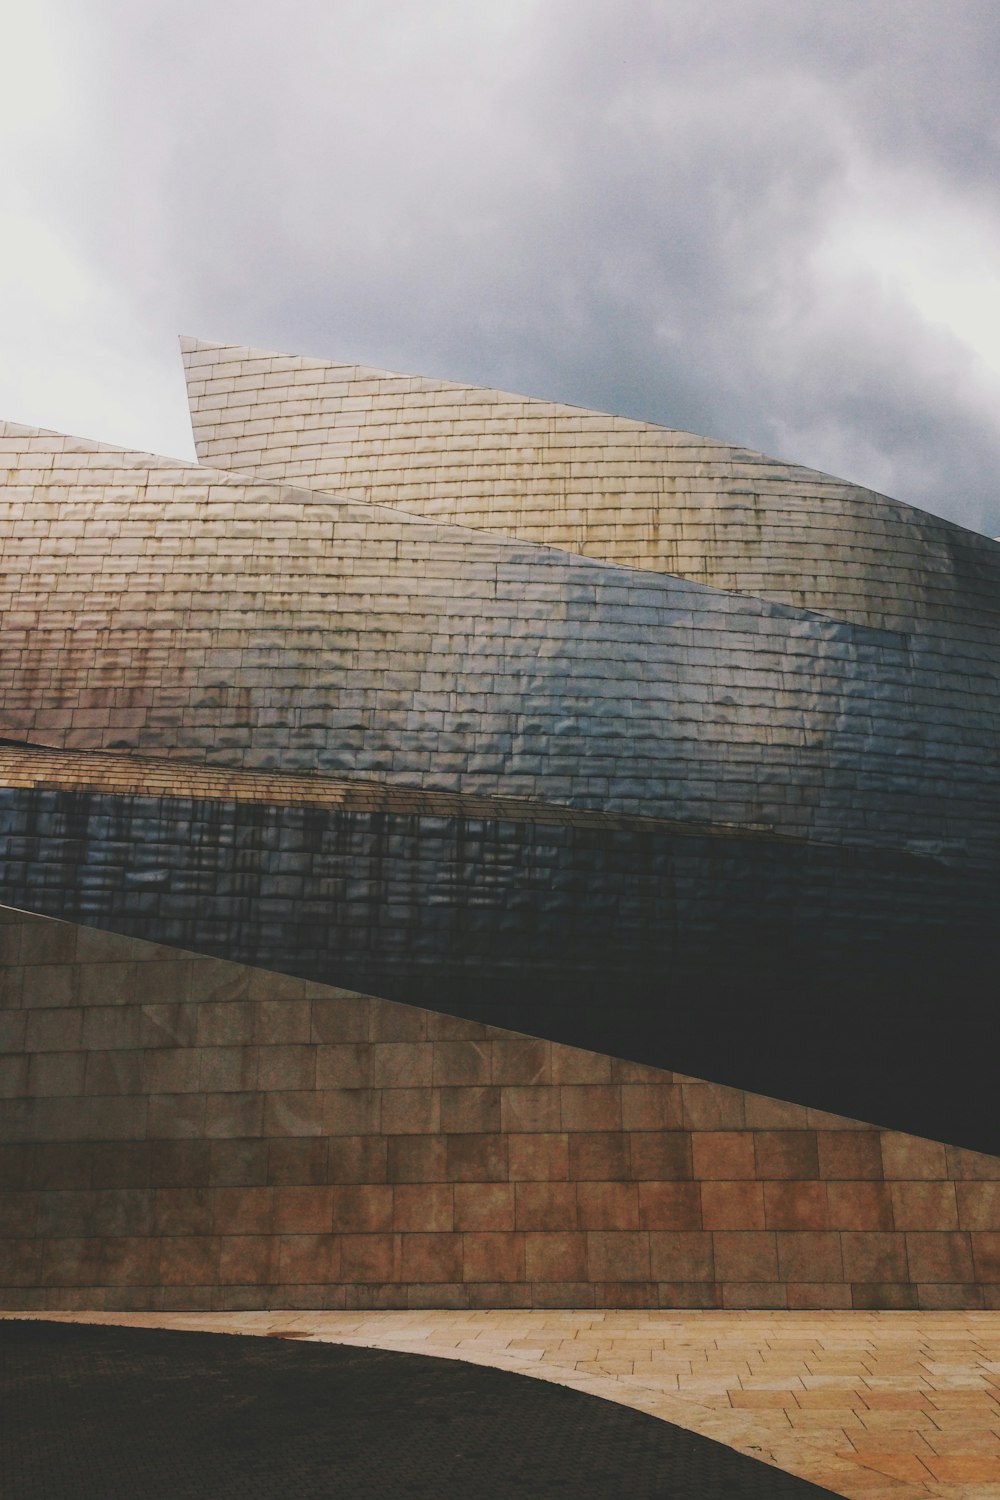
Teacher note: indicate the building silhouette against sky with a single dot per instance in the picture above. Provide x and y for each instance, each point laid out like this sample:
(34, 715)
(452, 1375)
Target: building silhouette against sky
(406, 808)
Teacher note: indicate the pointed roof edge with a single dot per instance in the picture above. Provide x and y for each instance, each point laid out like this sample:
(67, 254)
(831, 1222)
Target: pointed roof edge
(191, 345)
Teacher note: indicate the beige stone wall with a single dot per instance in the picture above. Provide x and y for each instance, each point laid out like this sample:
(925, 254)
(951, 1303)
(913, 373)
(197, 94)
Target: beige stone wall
(179, 1132)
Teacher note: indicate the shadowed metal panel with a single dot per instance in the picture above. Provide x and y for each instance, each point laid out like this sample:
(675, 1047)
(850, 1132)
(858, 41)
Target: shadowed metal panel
(807, 972)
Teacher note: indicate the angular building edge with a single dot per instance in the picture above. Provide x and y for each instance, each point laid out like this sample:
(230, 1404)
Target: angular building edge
(613, 488)
(549, 720)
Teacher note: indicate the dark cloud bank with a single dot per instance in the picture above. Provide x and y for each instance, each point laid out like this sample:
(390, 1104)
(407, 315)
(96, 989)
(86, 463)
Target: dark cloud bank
(614, 205)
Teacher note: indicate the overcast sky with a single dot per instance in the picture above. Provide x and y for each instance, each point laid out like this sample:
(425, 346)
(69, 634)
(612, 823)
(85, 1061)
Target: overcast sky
(775, 222)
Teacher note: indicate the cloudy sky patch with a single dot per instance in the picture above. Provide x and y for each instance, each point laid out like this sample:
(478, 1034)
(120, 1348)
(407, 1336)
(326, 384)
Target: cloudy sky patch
(771, 221)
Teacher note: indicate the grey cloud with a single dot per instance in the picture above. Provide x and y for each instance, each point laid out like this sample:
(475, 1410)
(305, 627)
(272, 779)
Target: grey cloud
(611, 205)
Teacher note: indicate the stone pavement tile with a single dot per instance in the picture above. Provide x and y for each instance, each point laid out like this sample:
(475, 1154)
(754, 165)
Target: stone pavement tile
(896, 1440)
(756, 1400)
(971, 1469)
(830, 1398)
(847, 1422)
(897, 1400)
(968, 1442)
(906, 1420)
(900, 1465)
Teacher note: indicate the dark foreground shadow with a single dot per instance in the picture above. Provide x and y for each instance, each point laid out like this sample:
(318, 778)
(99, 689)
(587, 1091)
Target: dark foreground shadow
(105, 1413)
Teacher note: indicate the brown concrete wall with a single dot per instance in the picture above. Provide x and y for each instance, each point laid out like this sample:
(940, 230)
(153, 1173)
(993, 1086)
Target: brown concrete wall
(179, 1132)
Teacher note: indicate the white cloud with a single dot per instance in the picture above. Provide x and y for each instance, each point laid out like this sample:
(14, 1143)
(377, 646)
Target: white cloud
(927, 242)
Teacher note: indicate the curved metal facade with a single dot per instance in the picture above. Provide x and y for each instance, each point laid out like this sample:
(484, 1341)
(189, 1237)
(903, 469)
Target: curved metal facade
(721, 794)
(612, 488)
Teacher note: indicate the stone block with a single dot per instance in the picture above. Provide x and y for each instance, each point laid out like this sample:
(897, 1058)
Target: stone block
(113, 1072)
(470, 1110)
(906, 1157)
(787, 1154)
(712, 1106)
(660, 1157)
(745, 1256)
(367, 1259)
(986, 1256)
(286, 1067)
(606, 1205)
(723, 1156)
(529, 1108)
(737, 1294)
(681, 1256)
(590, 1107)
(236, 1163)
(732, 1205)
(183, 1211)
(242, 1210)
(809, 1256)
(522, 1061)
(539, 1157)
(417, 1158)
(462, 1064)
(843, 1154)
(546, 1205)
(410, 1111)
(346, 1065)
(130, 1261)
(341, 1019)
(180, 1162)
(484, 1206)
(971, 1165)
(432, 1258)
(873, 1258)
(189, 1260)
(924, 1205)
(229, 1115)
(859, 1205)
(418, 1206)
(939, 1256)
(569, 1065)
(598, 1156)
(669, 1205)
(309, 1259)
(618, 1255)
(402, 1065)
(249, 1260)
(795, 1205)
(493, 1257)
(337, 1111)
(978, 1204)
(476, 1158)
(651, 1107)
(304, 1210)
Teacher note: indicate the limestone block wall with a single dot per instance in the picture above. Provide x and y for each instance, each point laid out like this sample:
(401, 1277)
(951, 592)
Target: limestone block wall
(624, 491)
(182, 1133)
(160, 608)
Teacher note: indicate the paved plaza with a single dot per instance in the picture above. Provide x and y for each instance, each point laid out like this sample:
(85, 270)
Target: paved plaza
(871, 1406)
(181, 1415)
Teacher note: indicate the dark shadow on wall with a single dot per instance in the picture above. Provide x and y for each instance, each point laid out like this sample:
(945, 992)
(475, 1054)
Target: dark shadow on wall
(863, 982)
